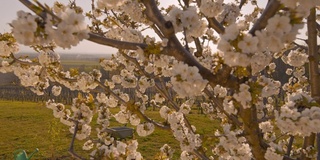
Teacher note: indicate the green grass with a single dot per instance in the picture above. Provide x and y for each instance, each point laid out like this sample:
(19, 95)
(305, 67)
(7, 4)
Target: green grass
(29, 126)
(26, 125)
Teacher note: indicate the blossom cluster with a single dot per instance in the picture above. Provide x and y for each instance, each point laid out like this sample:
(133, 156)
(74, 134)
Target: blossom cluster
(299, 115)
(231, 146)
(295, 58)
(110, 4)
(244, 96)
(211, 8)
(298, 79)
(229, 107)
(302, 8)
(111, 148)
(108, 146)
(125, 34)
(257, 50)
(24, 28)
(188, 21)
(272, 155)
(47, 58)
(184, 75)
(7, 45)
(180, 74)
(29, 29)
(70, 31)
(229, 14)
(32, 74)
(189, 141)
(270, 86)
(125, 117)
(82, 113)
(166, 152)
(145, 129)
(31, 77)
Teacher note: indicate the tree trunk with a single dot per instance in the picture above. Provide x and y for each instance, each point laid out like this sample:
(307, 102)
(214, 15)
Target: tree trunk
(313, 70)
(252, 132)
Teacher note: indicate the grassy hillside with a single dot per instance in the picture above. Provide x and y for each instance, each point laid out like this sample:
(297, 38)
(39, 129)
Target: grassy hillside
(31, 125)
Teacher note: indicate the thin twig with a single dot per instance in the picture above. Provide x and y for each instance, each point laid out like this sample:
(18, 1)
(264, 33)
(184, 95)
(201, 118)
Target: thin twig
(219, 104)
(108, 90)
(166, 127)
(198, 46)
(289, 148)
(185, 40)
(71, 149)
(158, 32)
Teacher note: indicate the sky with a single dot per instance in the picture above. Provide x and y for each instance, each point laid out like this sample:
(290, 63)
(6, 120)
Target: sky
(9, 8)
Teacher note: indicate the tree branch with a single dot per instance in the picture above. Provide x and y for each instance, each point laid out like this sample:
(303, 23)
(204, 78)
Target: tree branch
(92, 36)
(252, 130)
(219, 105)
(242, 2)
(313, 55)
(166, 127)
(289, 147)
(156, 29)
(271, 9)
(199, 51)
(175, 49)
(314, 76)
(115, 43)
(213, 23)
(153, 14)
(71, 150)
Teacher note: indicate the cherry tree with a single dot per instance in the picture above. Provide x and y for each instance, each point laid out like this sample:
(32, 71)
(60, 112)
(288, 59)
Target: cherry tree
(224, 53)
